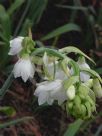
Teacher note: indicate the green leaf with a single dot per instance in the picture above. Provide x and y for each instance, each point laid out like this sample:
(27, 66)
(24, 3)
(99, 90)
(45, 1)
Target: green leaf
(14, 122)
(73, 7)
(99, 70)
(75, 67)
(5, 23)
(82, 8)
(14, 6)
(9, 111)
(49, 51)
(25, 27)
(99, 130)
(72, 80)
(92, 72)
(73, 128)
(36, 10)
(63, 29)
(6, 85)
(31, 15)
(70, 49)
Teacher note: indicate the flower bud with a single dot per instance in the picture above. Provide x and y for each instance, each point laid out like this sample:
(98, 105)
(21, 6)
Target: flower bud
(97, 88)
(88, 98)
(88, 106)
(92, 103)
(76, 110)
(89, 83)
(82, 64)
(71, 92)
(64, 66)
(83, 110)
(83, 91)
(70, 105)
(28, 44)
(77, 100)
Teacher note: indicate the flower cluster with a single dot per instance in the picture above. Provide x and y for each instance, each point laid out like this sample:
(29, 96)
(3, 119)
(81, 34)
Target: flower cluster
(24, 67)
(73, 84)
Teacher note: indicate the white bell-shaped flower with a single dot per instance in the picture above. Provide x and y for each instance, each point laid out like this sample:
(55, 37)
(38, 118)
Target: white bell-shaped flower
(24, 68)
(49, 91)
(83, 75)
(53, 68)
(71, 92)
(16, 45)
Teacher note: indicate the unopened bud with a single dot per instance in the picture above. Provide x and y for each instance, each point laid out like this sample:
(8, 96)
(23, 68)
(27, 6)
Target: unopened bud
(70, 105)
(83, 110)
(83, 91)
(89, 83)
(77, 100)
(97, 88)
(88, 106)
(71, 92)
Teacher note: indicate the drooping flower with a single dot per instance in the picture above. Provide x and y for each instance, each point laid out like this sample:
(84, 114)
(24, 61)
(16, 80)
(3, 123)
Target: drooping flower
(16, 45)
(83, 75)
(24, 68)
(49, 91)
(53, 68)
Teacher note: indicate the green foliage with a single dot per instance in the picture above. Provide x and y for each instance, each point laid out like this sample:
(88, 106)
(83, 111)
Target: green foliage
(7, 110)
(14, 122)
(15, 6)
(63, 29)
(73, 128)
(70, 49)
(6, 85)
(30, 16)
(33, 10)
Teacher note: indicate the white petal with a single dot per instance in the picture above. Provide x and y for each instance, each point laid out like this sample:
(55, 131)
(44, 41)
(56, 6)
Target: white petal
(59, 74)
(60, 96)
(59, 93)
(48, 86)
(50, 101)
(42, 98)
(15, 46)
(83, 75)
(24, 68)
(49, 91)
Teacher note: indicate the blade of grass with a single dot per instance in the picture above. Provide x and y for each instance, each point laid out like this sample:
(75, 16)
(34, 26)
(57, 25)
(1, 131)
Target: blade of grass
(72, 7)
(63, 29)
(33, 13)
(5, 23)
(37, 7)
(22, 17)
(14, 122)
(6, 85)
(73, 128)
(14, 6)
(98, 131)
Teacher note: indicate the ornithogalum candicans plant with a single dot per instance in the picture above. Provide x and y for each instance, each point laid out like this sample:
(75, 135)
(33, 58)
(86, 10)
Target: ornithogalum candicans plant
(72, 84)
